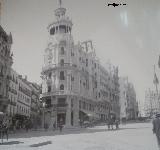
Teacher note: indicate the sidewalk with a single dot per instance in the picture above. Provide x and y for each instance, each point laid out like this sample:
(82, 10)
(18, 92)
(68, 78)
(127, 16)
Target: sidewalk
(43, 132)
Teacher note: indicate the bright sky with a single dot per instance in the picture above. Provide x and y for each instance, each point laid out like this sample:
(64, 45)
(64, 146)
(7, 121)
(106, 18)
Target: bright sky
(128, 36)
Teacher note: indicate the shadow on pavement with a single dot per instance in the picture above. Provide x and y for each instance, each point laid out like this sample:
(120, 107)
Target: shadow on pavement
(41, 144)
(67, 131)
(11, 143)
(138, 128)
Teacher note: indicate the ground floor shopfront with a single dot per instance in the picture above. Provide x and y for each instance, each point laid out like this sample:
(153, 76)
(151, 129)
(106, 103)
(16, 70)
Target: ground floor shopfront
(60, 109)
(71, 111)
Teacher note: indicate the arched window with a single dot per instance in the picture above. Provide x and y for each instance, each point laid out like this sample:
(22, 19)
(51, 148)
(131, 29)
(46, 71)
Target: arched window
(70, 29)
(62, 62)
(50, 75)
(56, 28)
(52, 31)
(49, 88)
(62, 50)
(61, 87)
(62, 29)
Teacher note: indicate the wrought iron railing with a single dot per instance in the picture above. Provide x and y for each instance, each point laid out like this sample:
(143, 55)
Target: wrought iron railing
(52, 66)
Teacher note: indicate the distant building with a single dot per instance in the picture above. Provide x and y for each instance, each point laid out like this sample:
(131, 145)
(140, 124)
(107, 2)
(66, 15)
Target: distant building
(23, 100)
(128, 102)
(35, 105)
(123, 97)
(152, 103)
(24, 97)
(13, 93)
(5, 66)
(75, 86)
(131, 102)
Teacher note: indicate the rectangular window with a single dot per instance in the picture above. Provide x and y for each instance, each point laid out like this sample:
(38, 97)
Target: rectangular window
(86, 62)
(62, 75)
(61, 101)
(49, 88)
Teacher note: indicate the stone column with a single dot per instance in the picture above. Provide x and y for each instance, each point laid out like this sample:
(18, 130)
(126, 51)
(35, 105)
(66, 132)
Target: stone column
(53, 112)
(68, 113)
(76, 112)
(43, 118)
(52, 120)
(47, 119)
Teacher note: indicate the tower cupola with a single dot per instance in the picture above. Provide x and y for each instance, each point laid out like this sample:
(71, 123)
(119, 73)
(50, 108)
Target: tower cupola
(62, 24)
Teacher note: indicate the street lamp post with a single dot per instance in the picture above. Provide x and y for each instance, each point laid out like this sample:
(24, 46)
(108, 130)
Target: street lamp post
(44, 105)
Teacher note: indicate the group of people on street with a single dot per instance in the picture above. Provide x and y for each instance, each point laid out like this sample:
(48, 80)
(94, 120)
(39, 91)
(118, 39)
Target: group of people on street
(4, 127)
(113, 121)
(59, 126)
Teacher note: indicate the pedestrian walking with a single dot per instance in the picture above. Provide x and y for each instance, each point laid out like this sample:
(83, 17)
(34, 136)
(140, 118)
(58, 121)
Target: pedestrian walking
(54, 126)
(61, 124)
(156, 128)
(117, 124)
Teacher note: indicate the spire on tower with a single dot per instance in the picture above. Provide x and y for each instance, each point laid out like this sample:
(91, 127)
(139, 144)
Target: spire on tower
(60, 3)
(59, 12)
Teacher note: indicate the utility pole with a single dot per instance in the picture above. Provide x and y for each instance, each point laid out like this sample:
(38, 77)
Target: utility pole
(156, 82)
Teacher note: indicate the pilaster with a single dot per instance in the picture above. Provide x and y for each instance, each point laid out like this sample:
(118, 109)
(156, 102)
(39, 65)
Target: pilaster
(68, 113)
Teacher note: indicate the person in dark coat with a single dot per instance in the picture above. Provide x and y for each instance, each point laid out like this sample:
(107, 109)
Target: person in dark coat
(60, 125)
(117, 123)
(156, 128)
(54, 126)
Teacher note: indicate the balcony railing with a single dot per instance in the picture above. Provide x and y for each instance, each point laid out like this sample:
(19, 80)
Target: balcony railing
(59, 92)
(12, 103)
(62, 105)
(4, 100)
(54, 66)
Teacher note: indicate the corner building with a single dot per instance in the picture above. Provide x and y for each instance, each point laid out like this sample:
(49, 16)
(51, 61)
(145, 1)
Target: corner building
(74, 84)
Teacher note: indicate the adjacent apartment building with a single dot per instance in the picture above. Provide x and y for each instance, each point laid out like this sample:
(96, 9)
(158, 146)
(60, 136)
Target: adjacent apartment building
(23, 99)
(5, 66)
(128, 103)
(75, 86)
(152, 103)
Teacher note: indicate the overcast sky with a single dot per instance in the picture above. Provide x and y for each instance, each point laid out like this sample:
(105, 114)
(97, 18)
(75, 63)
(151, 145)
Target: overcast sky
(128, 36)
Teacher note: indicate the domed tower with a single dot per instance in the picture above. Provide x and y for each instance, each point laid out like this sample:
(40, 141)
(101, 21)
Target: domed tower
(56, 72)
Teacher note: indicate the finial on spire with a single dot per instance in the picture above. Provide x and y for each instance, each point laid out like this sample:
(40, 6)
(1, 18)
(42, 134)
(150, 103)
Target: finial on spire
(60, 3)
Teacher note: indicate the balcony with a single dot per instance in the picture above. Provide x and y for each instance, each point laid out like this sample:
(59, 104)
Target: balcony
(56, 66)
(12, 103)
(60, 107)
(59, 92)
(3, 100)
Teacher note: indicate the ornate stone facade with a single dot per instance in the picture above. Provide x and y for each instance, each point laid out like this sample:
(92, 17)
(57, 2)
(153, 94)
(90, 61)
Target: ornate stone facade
(75, 86)
(5, 66)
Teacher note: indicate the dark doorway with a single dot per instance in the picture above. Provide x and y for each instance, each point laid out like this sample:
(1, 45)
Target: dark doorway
(61, 117)
(72, 118)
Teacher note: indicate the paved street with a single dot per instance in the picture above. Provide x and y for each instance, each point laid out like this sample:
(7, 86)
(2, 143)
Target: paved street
(137, 136)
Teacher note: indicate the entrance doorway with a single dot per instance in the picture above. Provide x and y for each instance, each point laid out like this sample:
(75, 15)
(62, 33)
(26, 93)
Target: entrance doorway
(72, 118)
(61, 118)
